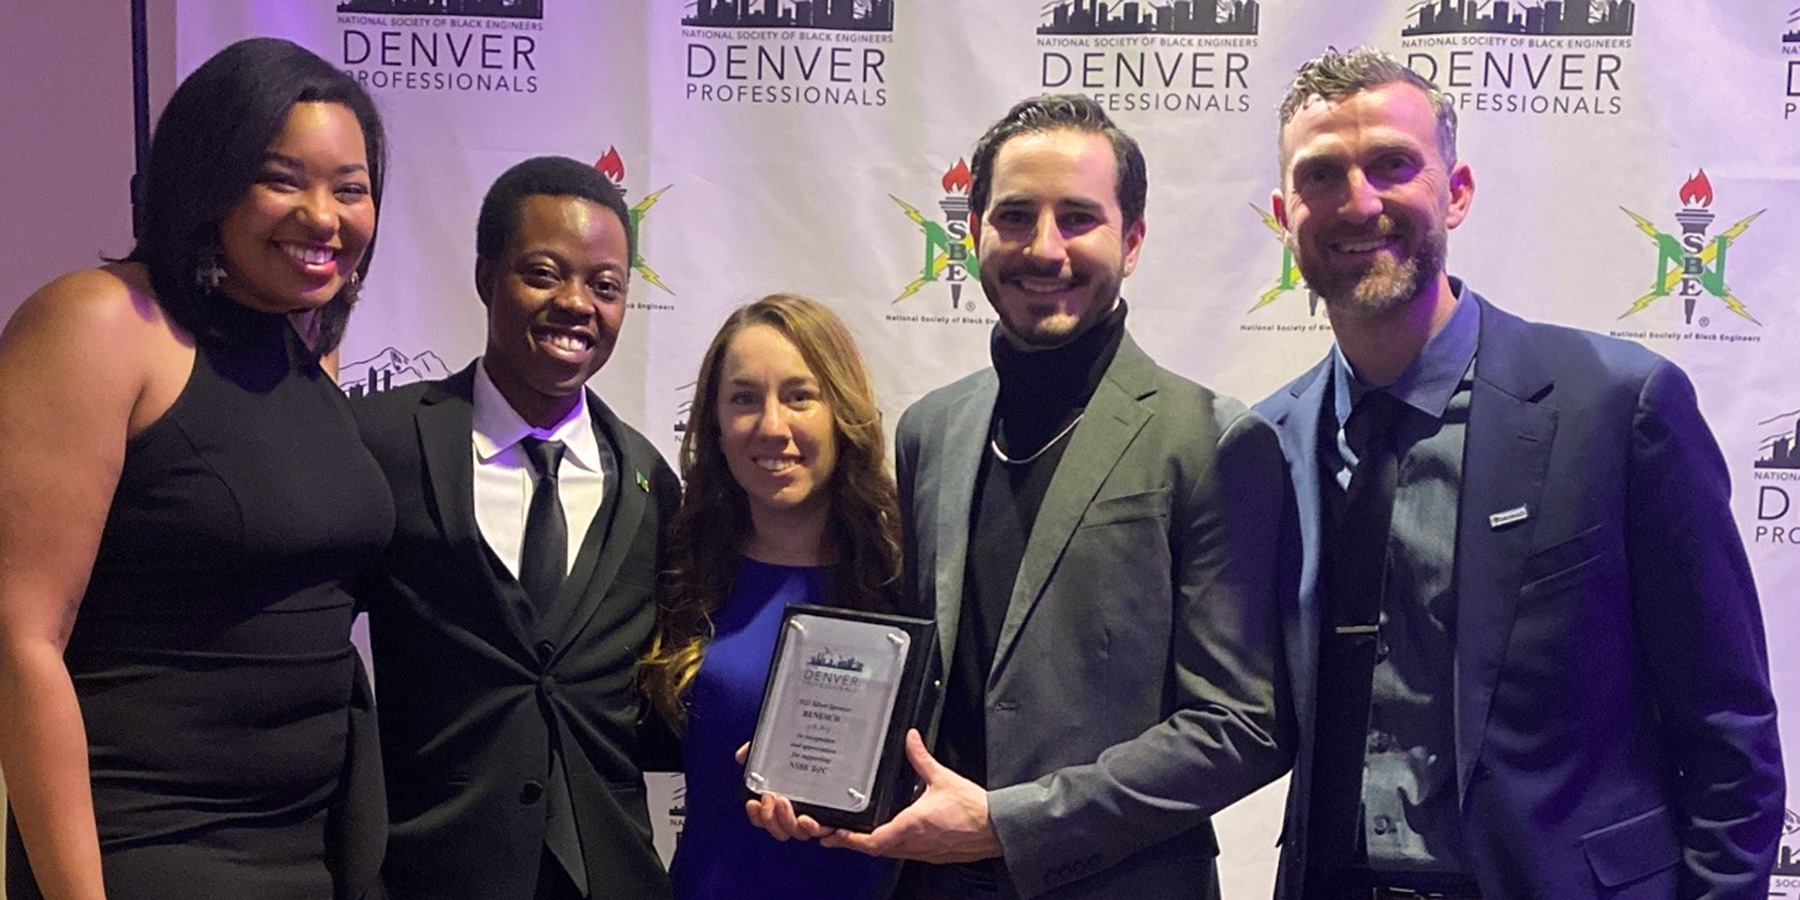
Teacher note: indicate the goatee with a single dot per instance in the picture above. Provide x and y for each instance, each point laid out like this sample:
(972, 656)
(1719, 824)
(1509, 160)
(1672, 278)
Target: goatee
(1389, 286)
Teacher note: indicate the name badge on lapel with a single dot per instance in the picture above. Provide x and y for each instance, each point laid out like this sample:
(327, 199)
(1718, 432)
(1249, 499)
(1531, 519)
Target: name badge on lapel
(1507, 517)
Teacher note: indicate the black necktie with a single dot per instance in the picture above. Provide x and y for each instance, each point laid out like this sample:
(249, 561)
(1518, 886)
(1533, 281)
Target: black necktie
(1368, 511)
(1349, 645)
(544, 556)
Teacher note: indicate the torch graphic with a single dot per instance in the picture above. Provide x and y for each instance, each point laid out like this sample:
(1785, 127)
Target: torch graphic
(1695, 217)
(955, 205)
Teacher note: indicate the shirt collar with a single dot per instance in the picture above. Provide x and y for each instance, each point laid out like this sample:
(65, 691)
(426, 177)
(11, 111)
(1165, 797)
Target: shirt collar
(1428, 384)
(497, 426)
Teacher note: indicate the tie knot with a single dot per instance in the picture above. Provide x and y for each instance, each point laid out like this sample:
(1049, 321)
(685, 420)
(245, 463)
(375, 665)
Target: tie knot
(545, 456)
(1372, 421)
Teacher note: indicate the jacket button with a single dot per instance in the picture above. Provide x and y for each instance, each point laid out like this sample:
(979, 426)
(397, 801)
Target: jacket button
(531, 793)
(547, 683)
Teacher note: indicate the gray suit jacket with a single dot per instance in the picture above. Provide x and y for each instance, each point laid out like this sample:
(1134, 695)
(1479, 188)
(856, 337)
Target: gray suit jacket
(1138, 686)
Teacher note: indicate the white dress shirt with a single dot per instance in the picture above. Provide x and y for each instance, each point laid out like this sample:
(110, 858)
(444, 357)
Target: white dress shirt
(503, 476)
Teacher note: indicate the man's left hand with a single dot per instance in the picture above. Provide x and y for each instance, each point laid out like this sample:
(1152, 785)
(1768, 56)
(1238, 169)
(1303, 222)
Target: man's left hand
(947, 824)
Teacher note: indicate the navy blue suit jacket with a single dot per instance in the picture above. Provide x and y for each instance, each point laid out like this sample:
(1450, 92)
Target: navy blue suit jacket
(1615, 729)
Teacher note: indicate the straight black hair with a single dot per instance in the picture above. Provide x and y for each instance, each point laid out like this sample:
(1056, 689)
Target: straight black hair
(205, 154)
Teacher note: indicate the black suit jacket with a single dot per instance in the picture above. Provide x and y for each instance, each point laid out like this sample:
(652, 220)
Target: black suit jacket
(477, 692)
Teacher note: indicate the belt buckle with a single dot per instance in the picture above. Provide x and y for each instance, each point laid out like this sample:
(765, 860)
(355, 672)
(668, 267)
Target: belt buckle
(1385, 893)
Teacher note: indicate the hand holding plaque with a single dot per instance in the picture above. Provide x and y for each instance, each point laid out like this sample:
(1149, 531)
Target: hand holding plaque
(843, 689)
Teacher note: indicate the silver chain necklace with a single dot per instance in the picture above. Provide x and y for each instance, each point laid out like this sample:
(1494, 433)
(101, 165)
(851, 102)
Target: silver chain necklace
(999, 454)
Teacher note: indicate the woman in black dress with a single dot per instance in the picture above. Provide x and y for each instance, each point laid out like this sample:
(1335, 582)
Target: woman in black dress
(182, 496)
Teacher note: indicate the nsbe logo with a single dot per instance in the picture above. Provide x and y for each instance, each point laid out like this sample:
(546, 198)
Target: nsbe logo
(949, 247)
(613, 167)
(1689, 265)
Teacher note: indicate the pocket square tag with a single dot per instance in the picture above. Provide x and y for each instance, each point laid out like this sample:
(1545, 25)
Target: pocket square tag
(1507, 517)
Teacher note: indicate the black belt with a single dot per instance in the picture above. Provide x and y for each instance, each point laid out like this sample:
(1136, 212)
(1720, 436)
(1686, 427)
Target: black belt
(1357, 883)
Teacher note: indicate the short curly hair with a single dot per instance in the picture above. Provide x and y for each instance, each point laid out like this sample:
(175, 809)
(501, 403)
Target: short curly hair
(1335, 75)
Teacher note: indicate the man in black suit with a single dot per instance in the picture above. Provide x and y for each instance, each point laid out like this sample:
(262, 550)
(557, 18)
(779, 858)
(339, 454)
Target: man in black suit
(509, 613)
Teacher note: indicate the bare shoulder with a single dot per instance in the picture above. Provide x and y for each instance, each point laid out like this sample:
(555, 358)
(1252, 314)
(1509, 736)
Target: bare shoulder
(103, 331)
(109, 303)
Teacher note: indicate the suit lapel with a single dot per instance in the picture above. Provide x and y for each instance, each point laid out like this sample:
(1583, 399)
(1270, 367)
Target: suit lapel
(965, 441)
(1113, 418)
(1298, 426)
(445, 423)
(609, 537)
(1505, 461)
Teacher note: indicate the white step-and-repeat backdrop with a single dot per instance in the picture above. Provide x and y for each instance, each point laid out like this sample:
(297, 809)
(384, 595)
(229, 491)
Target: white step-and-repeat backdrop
(1638, 167)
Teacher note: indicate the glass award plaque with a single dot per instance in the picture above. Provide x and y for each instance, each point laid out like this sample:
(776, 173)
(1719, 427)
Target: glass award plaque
(843, 688)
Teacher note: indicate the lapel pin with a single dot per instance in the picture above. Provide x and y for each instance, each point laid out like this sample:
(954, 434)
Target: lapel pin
(643, 482)
(1504, 518)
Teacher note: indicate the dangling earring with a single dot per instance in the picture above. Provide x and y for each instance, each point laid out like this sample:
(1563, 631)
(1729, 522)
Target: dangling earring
(207, 273)
(355, 281)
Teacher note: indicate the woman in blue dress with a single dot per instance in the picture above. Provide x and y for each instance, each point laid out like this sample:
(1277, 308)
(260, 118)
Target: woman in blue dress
(788, 500)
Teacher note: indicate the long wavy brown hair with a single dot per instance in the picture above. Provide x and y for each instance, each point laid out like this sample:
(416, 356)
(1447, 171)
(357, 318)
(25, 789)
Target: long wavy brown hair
(714, 521)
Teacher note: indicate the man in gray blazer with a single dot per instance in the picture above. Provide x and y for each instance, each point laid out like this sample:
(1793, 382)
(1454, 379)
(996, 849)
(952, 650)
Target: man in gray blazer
(1097, 538)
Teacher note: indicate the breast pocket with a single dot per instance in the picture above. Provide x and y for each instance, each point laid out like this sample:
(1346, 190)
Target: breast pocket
(1151, 504)
(1566, 562)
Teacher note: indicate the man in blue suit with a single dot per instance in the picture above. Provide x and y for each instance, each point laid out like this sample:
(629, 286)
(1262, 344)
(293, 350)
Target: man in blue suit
(1528, 659)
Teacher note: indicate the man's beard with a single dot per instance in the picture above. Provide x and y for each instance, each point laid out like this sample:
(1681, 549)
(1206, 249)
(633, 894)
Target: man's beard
(1103, 294)
(1388, 286)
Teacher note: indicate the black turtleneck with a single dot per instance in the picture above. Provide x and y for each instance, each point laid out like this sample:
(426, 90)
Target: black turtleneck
(1042, 393)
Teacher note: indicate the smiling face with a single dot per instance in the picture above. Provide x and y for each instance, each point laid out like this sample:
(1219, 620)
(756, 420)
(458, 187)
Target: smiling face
(293, 239)
(555, 299)
(776, 429)
(1053, 246)
(1367, 199)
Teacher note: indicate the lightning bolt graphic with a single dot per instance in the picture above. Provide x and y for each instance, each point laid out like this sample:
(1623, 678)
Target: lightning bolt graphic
(1731, 234)
(649, 201)
(642, 267)
(937, 263)
(912, 212)
(1644, 225)
(1742, 225)
(1672, 278)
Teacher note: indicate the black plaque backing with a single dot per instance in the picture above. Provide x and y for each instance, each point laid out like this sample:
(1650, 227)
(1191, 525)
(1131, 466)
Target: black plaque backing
(843, 688)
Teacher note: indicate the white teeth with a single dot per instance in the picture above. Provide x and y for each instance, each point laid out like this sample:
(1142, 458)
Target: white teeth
(1362, 246)
(774, 465)
(1042, 286)
(568, 341)
(312, 256)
